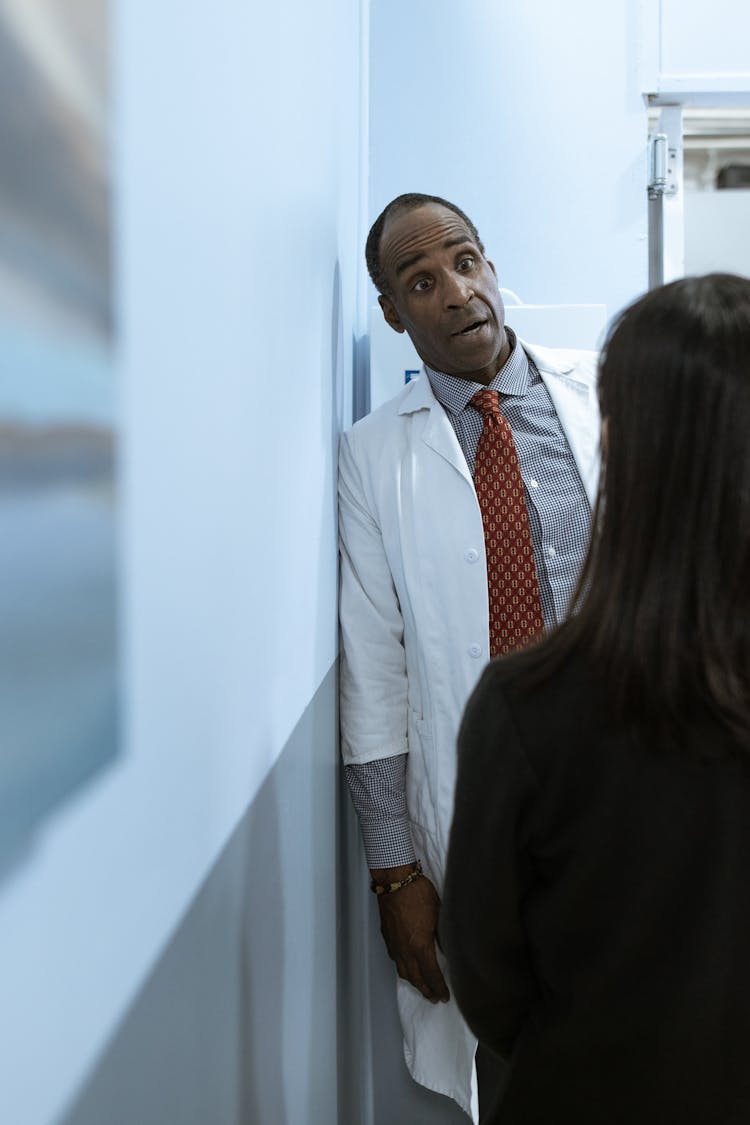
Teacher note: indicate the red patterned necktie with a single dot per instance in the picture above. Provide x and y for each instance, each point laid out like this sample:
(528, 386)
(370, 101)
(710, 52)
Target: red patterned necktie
(515, 605)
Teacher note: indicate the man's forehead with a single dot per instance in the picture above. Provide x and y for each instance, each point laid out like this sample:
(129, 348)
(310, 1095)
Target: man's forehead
(413, 233)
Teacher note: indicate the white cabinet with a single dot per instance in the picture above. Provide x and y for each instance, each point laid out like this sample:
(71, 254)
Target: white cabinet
(692, 51)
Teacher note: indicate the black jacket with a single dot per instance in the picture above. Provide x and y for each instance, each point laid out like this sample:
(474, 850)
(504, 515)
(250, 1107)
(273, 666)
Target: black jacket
(596, 909)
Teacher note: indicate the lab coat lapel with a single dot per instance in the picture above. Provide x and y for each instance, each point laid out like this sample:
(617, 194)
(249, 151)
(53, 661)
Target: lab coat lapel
(438, 433)
(575, 403)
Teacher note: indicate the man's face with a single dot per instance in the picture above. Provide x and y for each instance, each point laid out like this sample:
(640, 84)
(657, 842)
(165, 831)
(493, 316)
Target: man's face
(444, 293)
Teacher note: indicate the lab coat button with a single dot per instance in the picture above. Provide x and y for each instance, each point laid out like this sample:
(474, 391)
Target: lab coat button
(475, 650)
(471, 555)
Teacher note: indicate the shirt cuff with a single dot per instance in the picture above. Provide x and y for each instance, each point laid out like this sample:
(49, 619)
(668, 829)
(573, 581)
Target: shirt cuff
(387, 844)
(378, 791)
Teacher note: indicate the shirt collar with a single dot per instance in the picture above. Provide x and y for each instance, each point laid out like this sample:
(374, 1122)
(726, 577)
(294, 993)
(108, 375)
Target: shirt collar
(455, 393)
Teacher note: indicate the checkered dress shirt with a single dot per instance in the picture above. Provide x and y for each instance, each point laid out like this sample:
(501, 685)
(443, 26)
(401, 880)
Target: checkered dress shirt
(560, 519)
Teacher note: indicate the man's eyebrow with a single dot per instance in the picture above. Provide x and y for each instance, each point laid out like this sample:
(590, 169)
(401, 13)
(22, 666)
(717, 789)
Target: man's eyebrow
(461, 240)
(408, 262)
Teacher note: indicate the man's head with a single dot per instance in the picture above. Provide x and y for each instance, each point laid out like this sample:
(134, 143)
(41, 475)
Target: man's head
(427, 261)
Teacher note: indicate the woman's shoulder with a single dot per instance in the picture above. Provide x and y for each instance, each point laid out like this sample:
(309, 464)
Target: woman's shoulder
(530, 682)
(546, 706)
(558, 702)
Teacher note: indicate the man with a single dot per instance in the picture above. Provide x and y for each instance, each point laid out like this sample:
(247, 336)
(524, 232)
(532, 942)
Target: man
(464, 512)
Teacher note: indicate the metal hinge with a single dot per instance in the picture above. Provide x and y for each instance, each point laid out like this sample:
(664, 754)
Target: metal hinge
(662, 161)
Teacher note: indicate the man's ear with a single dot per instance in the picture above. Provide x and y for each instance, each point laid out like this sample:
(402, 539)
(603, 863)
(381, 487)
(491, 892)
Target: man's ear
(390, 314)
(492, 267)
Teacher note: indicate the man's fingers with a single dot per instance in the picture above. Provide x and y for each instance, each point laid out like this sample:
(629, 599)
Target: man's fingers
(411, 972)
(433, 977)
(425, 975)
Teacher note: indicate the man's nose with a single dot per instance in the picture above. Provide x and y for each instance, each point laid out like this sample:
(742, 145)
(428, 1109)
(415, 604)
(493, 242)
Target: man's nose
(457, 290)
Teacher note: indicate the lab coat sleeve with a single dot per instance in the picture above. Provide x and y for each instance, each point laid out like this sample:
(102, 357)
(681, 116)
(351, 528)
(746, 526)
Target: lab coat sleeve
(373, 663)
(488, 873)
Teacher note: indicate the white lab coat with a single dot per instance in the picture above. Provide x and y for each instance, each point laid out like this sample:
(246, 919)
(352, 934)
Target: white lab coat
(414, 630)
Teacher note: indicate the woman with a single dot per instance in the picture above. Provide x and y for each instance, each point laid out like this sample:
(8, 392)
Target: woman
(596, 909)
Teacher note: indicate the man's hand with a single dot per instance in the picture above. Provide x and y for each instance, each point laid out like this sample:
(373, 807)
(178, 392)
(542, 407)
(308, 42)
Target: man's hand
(408, 923)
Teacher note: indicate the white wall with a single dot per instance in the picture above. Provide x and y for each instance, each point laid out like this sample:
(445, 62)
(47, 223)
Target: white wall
(528, 115)
(703, 46)
(238, 201)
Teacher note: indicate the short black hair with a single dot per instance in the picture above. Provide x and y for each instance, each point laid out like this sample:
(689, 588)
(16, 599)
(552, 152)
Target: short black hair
(407, 202)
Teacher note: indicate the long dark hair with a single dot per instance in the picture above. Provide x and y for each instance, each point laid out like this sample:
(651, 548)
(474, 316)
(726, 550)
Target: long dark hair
(663, 602)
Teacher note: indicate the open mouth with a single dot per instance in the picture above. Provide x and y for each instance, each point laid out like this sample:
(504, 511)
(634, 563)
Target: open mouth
(475, 326)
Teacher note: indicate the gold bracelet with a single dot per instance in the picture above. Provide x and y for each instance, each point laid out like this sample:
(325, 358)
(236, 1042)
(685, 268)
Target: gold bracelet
(389, 888)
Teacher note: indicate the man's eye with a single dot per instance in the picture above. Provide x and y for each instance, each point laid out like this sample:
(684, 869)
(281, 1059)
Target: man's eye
(422, 285)
(466, 264)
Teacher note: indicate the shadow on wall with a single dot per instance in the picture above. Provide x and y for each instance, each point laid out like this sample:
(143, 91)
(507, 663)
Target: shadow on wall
(236, 1024)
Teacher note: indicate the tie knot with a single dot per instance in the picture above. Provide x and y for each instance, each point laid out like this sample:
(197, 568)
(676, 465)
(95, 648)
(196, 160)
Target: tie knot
(487, 403)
